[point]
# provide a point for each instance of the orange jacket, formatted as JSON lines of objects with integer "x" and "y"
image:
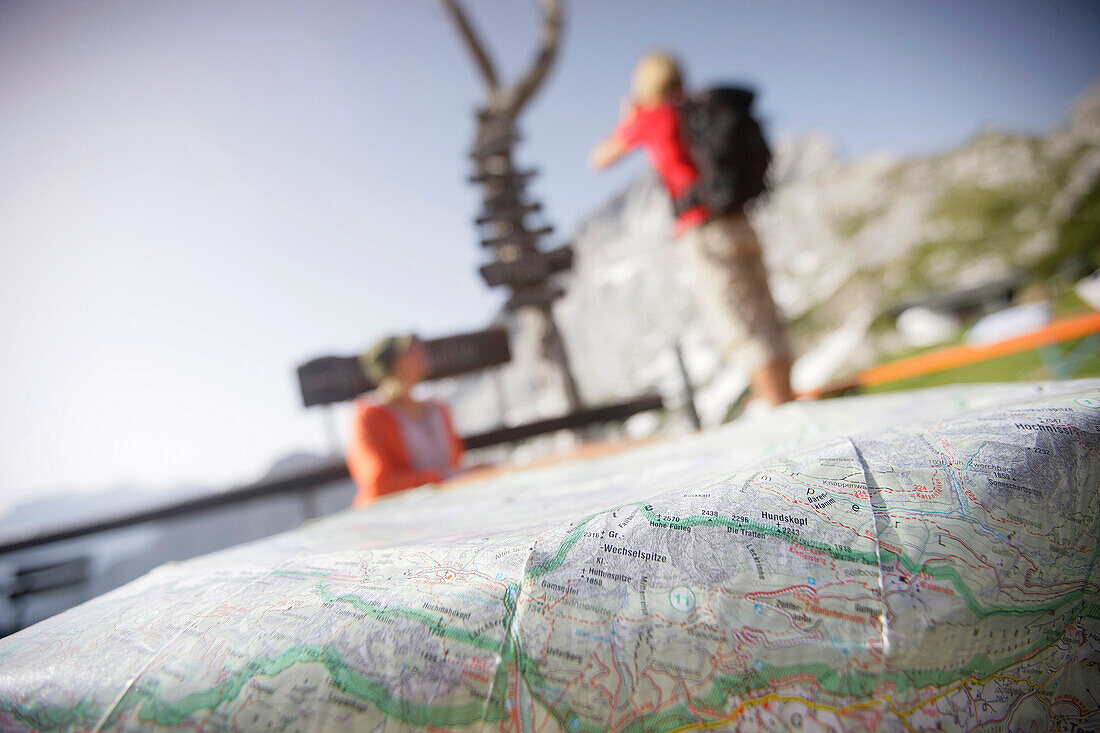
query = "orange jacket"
{"x": 378, "y": 459}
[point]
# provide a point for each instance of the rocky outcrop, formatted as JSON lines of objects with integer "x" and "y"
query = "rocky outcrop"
{"x": 844, "y": 240}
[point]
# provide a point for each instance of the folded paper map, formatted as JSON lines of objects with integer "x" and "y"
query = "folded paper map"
{"x": 895, "y": 562}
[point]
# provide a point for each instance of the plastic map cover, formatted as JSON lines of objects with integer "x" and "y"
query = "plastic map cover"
{"x": 922, "y": 560}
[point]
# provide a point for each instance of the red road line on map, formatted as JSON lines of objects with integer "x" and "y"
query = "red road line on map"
{"x": 899, "y": 512}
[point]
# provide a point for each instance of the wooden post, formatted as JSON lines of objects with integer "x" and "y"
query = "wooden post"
{"x": 689, "y": 391}
{"x": 331, "y": 431}
{"x": 504, "y": 189}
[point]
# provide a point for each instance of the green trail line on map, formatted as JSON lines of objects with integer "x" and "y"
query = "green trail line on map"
{"x": 843, "y": 684}
{"x": 858, "y": 684}
{"x": 374, "y": 691}
{"x": 433, "y": 621}
{"x": 354, "y": 683}
{"x": 155, "y": 708}
{"x": 847, "y": 554}
{"x": 41, "y": 717}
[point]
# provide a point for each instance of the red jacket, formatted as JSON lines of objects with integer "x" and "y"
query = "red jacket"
{"x": 657, "y": 130}
{"x": 378, "y": 459}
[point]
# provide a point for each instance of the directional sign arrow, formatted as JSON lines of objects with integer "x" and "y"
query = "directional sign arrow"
{"x": 528, "y": 270}
{"x": 539, "y": 296}
{"x": 507, "y": 178}
{"x": 505, "y": 213}
{"x": 520, "y": 237}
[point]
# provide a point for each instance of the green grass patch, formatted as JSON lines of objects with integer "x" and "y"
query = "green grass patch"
{"x": 1066, "y": 303}
{"x": 1078, "y": 239}
{"x": 993, "y": 210}
{"x": 986, "y": 222}
{"x": 1072, "y": 359}
{"x": 851, "y": 225}
{"x": 981, "y": 223}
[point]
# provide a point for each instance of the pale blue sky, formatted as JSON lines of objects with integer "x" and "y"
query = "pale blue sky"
{"x": 196, "y": 196}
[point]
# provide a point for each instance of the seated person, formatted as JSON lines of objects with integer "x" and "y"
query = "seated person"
{"x": 398, "y": 442}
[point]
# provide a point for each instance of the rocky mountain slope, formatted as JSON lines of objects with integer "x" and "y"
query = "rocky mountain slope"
{"x": 845, "y": 241}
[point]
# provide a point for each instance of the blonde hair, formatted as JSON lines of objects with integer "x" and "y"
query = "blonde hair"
{"x": 656, "y": 77}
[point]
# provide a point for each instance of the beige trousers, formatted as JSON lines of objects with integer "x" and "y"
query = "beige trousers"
{"x": 732, "y": 292}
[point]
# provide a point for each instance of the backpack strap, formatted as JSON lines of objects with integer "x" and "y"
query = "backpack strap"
{"x": 689, "y": 200}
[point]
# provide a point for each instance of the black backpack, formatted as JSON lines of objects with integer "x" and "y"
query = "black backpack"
{"x": 728, "y": 147}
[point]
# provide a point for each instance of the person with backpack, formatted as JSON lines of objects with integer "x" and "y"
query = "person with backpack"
{"x": 712, "y": 157}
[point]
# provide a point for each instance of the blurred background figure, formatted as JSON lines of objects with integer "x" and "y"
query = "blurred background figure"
{"x": 730, "y": 281}
{"x": 398, "y": 442}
